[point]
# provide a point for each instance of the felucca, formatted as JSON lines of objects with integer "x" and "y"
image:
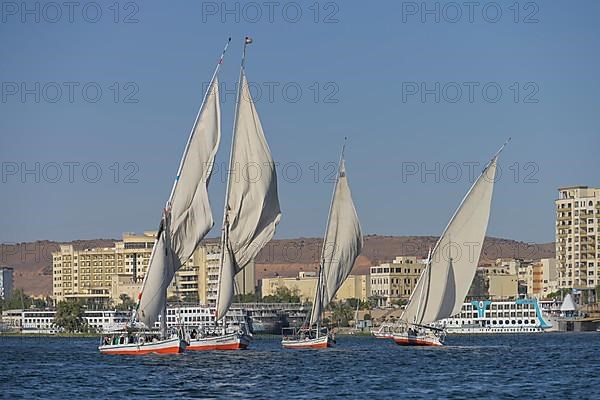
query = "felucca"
{"x": 341, "y": 246}
{"x": 251, "y": 211}
{"x": 186, "y": 219}
{"x": 450, "y": 267}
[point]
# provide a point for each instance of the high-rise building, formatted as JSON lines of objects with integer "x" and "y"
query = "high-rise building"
{"x": 88, "y": 274}
{"x": 6, "y": 282}
{"x": 208, "y": 259}
{"x": 577, "y": 239}
{"x": 396, "y": 280}
{"x": 102, "y": 275}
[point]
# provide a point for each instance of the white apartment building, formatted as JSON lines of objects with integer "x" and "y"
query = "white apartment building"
{"x": 577, "y": 240}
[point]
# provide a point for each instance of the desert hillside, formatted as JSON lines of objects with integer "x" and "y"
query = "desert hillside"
{"x": 284, "y": 257}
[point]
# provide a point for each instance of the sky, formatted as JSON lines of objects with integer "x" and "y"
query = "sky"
{"x": 98, "y": 99}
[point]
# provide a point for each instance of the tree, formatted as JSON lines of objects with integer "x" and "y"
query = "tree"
{"x": 246, "y": 298}
{"x": 126, "y": 302}
{"x": 399, "y": 302}
{"x": 283, "y": 294}
{"x": 342, "y": 312}
{"x": 353, "y": 302}
{"x": 20, "y": 300}
{"x": 69, "y": 316}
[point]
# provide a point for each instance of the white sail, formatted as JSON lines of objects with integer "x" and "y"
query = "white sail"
{"x": 188, "y": 216}
{"x": 343, "y": 243}
{"x": 191, "y": 215}
{"x": 252, "y": 202}
{"x": 447, "y": 277}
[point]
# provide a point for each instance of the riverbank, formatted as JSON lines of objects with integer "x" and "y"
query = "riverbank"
{"x": 63, "y": 335}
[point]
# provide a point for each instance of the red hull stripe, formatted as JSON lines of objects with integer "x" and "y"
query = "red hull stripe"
{"x": 308, "y": 346}
{"x": 166, "y": 350}
{"x": 229, "y": 346}
{"x": 414, "y": 342}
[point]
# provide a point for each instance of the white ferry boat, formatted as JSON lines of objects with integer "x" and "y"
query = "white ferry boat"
{"x": 489, "y": 317}
{"x": 103, "y": 321}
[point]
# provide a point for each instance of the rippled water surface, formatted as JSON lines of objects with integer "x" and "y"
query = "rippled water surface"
{"x": 558, "y": 365}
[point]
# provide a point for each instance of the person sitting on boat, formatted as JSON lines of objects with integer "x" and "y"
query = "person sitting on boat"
{"x": 193, "y": 334}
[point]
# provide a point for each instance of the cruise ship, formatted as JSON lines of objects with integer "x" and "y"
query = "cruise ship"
{"x": 42, "y": 321}
{"x": 489, "y": 317}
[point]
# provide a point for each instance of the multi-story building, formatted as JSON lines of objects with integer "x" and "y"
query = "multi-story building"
{"x": 577, "y": 239}
{"x": 208, "y": 260}
{"x": 549, "y": 276}
{"x": 503, "y": 286}
{"x": 102, "y": 275}
{"x": 6, "y": 282}
{"x": 396, "y": 280}
{"x": 542, "y": 278}
{"x": 305, "y": 284}
{"x": 515, "y": 266}
{"x": 88, "y": 274}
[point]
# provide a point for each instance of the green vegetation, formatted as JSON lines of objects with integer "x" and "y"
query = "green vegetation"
{"x": 399, "y": 302}
{"x": 561, "y": 293}
{"x": 283, "y": 295}
{"x": 246, "y": 298}
{"x": 127, "y": 303}
{"x": 20, "y": 300}
{"x": 69, "y": 316}
{"x": 362, "y": 305}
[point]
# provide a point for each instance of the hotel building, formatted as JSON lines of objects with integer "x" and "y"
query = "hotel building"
{"x": 101, "y": 275}
{"x": 577, "y": 240}
{"x": 396, "y": 280}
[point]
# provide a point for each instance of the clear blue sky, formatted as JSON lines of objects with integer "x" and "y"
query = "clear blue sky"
{"x": 373, "y": 62}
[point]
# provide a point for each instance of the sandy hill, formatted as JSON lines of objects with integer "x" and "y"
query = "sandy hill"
{"x": 284, "y": 257}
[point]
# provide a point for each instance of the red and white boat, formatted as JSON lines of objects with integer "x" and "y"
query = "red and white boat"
{"x": 341, "y": 246}
{"x": 385, "y": 331}
{"x": 141, "y": 344}
{"x": 307, "y": 339}
{"x": 228, "y": 341}
{"x": 418, "y": 339}
{"x": 186, "y": 220}
{"x": 450, "y": 267}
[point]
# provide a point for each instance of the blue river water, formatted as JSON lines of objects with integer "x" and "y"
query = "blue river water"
{"x": 551, "y": 366}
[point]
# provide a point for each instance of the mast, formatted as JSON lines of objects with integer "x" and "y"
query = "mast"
{"x": 225, "y": 225}
{"x": 422, "y": 287}
{"x": 168, "y": 204}
{"x": 321, "y": 281}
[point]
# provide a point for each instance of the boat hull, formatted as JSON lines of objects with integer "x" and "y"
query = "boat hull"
{"x": 383, "y": 335}
{"x": 321, "y": 342}
{"x": 167, "y": 346}
{"x": 404, "y": 339}
{"x": 231, "y": 341}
